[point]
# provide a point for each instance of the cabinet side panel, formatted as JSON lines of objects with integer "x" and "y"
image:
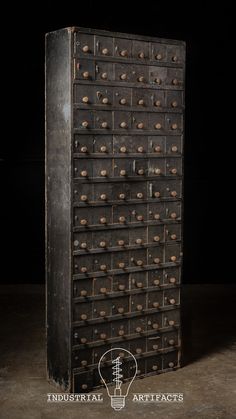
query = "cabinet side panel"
{"x": 58, "y": 207}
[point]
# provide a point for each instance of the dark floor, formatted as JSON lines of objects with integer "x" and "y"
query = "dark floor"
{"x": 208, "y": 379}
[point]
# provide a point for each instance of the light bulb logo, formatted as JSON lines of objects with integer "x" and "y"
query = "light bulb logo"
{"x": 119, "y": 371}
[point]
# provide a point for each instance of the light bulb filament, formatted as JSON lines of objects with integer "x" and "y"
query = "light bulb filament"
{"x": 116, "y": 372}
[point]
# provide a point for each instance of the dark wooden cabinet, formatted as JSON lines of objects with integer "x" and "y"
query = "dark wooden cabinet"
{"x": 114, "y": 168}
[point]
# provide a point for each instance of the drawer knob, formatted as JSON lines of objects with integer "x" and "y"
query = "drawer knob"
{"x": 102, "y": 244}
{"x": 155, "y": 367}
{"x": 171, "y": 342}
{"x": 171, "y": 364}
{"x": 174, "y": 58}
{"x": 123, "y": 124}
{"x": 121, "y": 287}
{"x": 173, "y": 215}
{"x": 173, "y": 237}
{"x": 138, "y": 329}
{"x": 103, "y": 197}
{"x": 103, "y": 220}
{"x": 139, "y": 217}
{"x": 174, "y": 149}
{"x": 157, "y": 148}
{"x": 84, "y": 149}
{"x": 172, "y": 280}
{"x": 123, "y": 76}
{"x": 124, "y": 53}
{"x": 105, "y": 100}
{"x": 140, "y": 102}
{"x": 139, "y": 195}
{"x": 83, "y": 222}
{"x": 121, "y": 332}
{"x": 105, "y": 51}
{"x": 138, "y": 262}
{"x": 122, "y": 101}
{"x": 121, "y": 196}
{"x": 121, "y": 310}
{"x": 155, "y": 326}
{"x": 83, "y": 293}
{"x": 174, "y": 126}
{"x": 102, "y": 313}
{"x": 83, "y": 340}
{"x": 121, "y": 242}
{"x": 175, "y": 82}
{"x": 123, "y": 149}
{"x": 158, "y": 125}
{"x": 103, "y": 336}
{"x": 84, "y": 316}
{"x": 83, "y": 198}
{"x": 139, "y": 307}
{"x": 157, "y": 103}
{"x": 84, "y": 173}
{"x": 121, "y": 265}
{"x": 104, "y": 124}
{"x": 158, "y": 56}
{"x": 83, "y": 245}
{"x": 138, "y": 350}
{"x": 122, "y": 219}
{"x": 138, "y": 241}
{"x": 173, "y": 258}
{"x": 85, "y": 48}
{"x": 104, "y": 76}
{"x": 103, "y": 149}
{"x": 85, "y": 99}
{"x": 157, "y": 171}
{"x": 141, "y": 79}
{"x": 103, "y": 173}
{"x": 158, "y": 81}
{"x": 173, "y": 171}
{"x": 156, "y": 260}
{"x": 103, "y": 267}
{"x": 85, "y": 74}
{"x": 140, "y": 149}
{"x": 156, "y": 282}
{"x": 84, "y": 363}
{"x": 141, "y": 54}
{"x": 83, "y": 269}
{"x": 157, "y": 194}
{"x": 156, "y": 238}
{"x": 173, "y": 193}
{"x": 174, "y": 104}
{"x": 140, "y": 172}
{"x": 84, "y": 386}
{"x": 122, "y": 172}
{"x": 85, "y": 124}
{"x": 156, "y": 216}
{"x": 156, "y": 304}
{"x": 171, "y": 322}
{"x": 140, "y": 125}
{"x": 139, "y": 285}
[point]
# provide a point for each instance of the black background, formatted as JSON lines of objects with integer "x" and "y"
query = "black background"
{"x": 210, "y": 126}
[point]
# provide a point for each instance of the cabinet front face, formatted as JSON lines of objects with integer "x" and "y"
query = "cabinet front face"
{"x": 126, "y": 201}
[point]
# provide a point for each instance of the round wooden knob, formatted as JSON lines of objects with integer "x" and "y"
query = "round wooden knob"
{"x": 173, "y": 171}
{"x": 155, "y": 367}
{"x": 174, "y": 148}
{"x": 104, "y": 76}
{"x": 156, "y": 216}
{"x": 122, "y": 101}
{"x": 85, "y": 124}
{"x": 105, "y": 51}
{"x": 139, "y": 284}
{"x": 175, "y": 82}
{"x": 124, "y": 53}
{"x": 155, "y": 325}
{"x": 157, "y": 171}
{"x": 138, "y": 241}
{"x": 140, "y": 171}
{"x": 172, "y": 280}
{"x": 83, "y": 340}
{"x": 83, "y": 269}
{"x": 83, "y": 245}
{"x": 103, "y": 267}
{"x": 138, "y": 262}
{"x": 103, "y": 173}
{"x": 103, "y": 149}
{"x": 139, "y": 195}
{"x": 85, "y": 48}
{"x": 138, "y": 350}
{"x": 173, "y": 193}
{"x": 173, "y": 215}
{"x": 141, "y": 79}
{"x": 121, "y": 287}
{"x": 84, "y": 386}
{"x": 157, "y": 148}
{"x": 141, "y": 54}
{"x": 157, "y": 103}
{"x": 103, "y": 197}
{"x": 121, "y": 196}
{"x": 173, "y": 258}
{"x": 123, "y": 76}
{"x": 123, "y": 149}
{"x": 84, "y": 149}
{"x": 171, "y": 342}
{"x": 174, "y": 104}
{"x": 140, "y": 125}
{"x": 171, "y": 322}
{"x": 85, "y": 99}
{"x": 158, "y": 81}
{"x": 156, "y": 238}
{"x": 139, "y": 217}
{"x": 158, "y": 126}
{"x": 171, "y": 364}
{"x": 174, "y": 126}
{"x": 103, "y": 220}
{"x": 156, "y": 282}
{"x": 120, "y": 242}
{"x": 122, "y": 172}
{"x": 140, "y": 102}
{"x": 83, "y": 316}
{"x": 139, "y": 307}
{"x": 121, "y": 310}
{"x": 157, "y": 194}
{"x": 84, "y": 173}
{"x": 121, "y": 332}
{"x": 76, "y": 243}
{"x": 121, "y": 219}
{"x": 102, "y": 313}
{"x": 173, "y": 237}
{"x": 84, "y": 363}
{"x": 103, "y": 336}
{"x": 174, "y": 58}
{"x": 83, "y": 222}
{"x": 121, "y": 265}
{"x": 156, "y": 304}
{"x": 138, "y": 329}
{"x": 123, "y": 124}
{"x": 83, "y": 293}
{"x": 105, "y": 100}
{"x": 156, "y": 260}
{"x": 102, "y": 244}
{"x": 158, "y": 56}
{"x": 104, "y": 124}
{"x": 155, "y": 347}
{"x": 85, "y": 74}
